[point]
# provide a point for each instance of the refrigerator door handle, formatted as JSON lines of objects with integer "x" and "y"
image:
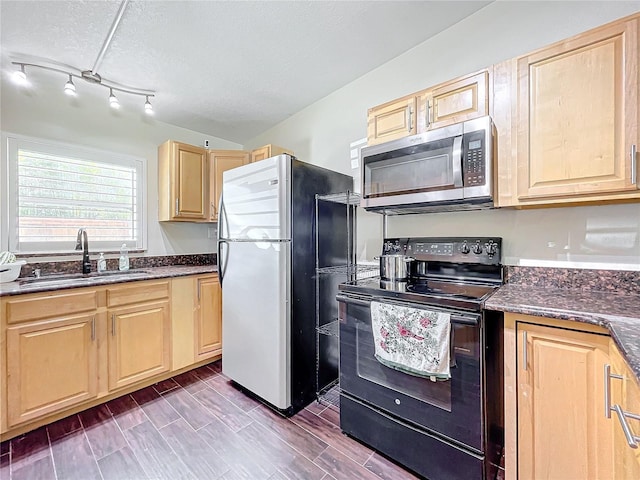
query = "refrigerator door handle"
{"x": 222, "y": 267}
{"x": 222, "y": 218}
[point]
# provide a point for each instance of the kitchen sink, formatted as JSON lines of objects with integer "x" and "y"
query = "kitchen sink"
{"x": 80, "y": 278}
{"x": 48, "y": 282}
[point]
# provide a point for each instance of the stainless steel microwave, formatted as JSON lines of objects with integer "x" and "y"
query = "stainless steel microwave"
{"x": 450, "y": 168}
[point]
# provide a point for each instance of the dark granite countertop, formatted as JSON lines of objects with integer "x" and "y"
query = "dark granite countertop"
{"x": 619, "y": 312}
{"x": 59, "y": 282}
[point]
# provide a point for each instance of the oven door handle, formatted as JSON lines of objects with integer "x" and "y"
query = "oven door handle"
{"x": 362, "y": 301}
{"x": 366, "y": 302}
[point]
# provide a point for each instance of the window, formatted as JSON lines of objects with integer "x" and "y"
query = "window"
{"x": 55, "y": 189}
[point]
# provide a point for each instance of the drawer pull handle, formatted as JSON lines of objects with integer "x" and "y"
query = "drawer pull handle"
{"x": 632, "y": 439}
{"x": 113, "y": 324}
{"x": 524, "y": 350}
{"x": 607, "y": 389}
{"x": 427, "y": 119}
{"x": 93, "y": 329}
{"x": 634, "y": 165}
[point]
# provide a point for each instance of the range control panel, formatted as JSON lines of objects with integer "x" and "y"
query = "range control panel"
{"x": 485, "y": 250}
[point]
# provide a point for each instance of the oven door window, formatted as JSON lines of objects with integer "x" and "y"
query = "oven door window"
{"x": 414, "y": 169}
{"x": 437, "y": 393}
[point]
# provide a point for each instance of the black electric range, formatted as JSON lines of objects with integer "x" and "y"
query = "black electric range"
{"x": 438, "y": 429}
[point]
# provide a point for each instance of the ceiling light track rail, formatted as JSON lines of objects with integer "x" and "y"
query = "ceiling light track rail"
{"x": 107, "y": 41}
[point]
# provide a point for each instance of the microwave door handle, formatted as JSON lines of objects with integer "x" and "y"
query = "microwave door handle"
{"x": 457, "y": 161}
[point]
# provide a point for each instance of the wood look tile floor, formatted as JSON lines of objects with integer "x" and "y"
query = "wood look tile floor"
{"x": 194, "y": 426}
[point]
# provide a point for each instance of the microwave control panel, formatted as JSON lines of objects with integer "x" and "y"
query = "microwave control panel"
{"x": 473, "y": 169}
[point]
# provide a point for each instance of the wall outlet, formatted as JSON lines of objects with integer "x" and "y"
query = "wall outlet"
{"x": 206, "y": 144}
{"x": 211, "y": 232}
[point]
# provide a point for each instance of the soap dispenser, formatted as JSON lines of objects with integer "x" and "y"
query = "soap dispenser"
{"x": 102, "y": 263}
{"x": 124, "y": 257}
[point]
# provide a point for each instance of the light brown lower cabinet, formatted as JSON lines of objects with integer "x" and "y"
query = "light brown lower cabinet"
{"x": 208, "y": 318}
{"x": 68, "y": 350}
{"x": 625, "y": 402}
{"x": 139, "y": 343}
{"x": 196, "y": 317}
{"x": 555, "y": 425}
{"x": 51, "y": 365}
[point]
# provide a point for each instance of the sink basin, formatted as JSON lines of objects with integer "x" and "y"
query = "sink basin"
{"x": 116, "y": 273}
{"x": 48, "y": 282}
{"x": 81, "y": 278}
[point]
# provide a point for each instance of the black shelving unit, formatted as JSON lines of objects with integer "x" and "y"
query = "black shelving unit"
{"x": 331, "y": 270}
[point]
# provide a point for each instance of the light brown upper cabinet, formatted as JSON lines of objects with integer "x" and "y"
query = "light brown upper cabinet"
{"x": 461, "y": 99}
{"x": 456, "y": 101}
{"x": 392, "y": 120}
{"x": 567, "y": 119}
{"x": 182, "y": 183}
{"x": 268, "y": 151}
{"x": 221, "y": 161}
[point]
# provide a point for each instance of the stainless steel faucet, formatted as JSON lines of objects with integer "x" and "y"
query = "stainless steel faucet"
{"x": 82, "y": 243}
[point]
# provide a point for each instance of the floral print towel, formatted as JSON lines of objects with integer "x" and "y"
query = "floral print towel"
{"x": 412, "y": 340}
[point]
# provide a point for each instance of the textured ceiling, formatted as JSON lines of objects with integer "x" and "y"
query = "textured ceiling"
{"x": 231, "y": 69}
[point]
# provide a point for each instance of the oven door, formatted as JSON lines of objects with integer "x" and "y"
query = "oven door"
{"x": 452, "y": 408}
{"x": 424, "y": 168}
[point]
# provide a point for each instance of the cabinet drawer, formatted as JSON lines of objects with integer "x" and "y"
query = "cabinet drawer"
{"x": 137, "y": 292}
{"x": 35, "y": 307}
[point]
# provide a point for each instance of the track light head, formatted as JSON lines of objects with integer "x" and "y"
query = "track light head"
{"x": 70, "y": 88}
{"x": 20, "y": 76}
{"x": 113, "y": 100}
{"x": 148, "y": 108}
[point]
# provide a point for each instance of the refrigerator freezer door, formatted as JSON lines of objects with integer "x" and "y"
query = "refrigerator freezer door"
{"x": 256, "y": 319}
{"x": 256, "y": 201}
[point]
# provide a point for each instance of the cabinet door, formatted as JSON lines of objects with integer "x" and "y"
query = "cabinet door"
{"x": 51, "y": 365}
{"x": 220, "y": 161}
{"x": 190, "y": 182}
{"x": 261, "y": 153}
{"x": 139, "y": 343}
{"x": 578, "y": 114}
{"x": 208, "y": 327}
{"x": 562, "y": 430}
{"x": 392, "y": 120}
{"x": 457, "y": 101}
{"x": 625, "y": 392}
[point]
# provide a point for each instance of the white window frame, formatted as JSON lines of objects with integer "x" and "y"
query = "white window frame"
{"x": 16, "y": 142}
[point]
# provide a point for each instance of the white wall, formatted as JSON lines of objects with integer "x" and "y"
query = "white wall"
{"x": 588, "y": 237}
{"x": 48, "y": 114}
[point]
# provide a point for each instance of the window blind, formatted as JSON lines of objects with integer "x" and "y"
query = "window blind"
{"x": 56, "y": 194}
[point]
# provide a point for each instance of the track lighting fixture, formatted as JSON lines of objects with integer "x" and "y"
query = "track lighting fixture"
{"x": 69, "y": 87}
{"x": 90, "y": 76}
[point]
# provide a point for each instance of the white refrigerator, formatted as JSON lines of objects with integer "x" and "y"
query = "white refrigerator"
{"x": 266, "y": 264}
